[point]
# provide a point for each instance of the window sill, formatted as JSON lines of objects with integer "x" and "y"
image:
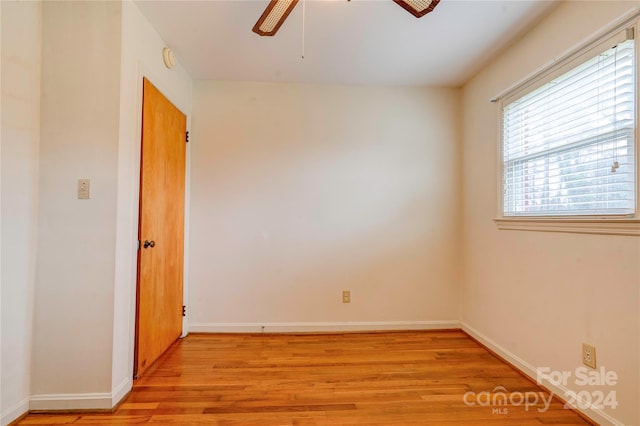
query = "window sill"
{"x": 603, "y": 226}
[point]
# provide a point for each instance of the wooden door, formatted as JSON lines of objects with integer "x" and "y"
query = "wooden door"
{"x": 161, "y": 228}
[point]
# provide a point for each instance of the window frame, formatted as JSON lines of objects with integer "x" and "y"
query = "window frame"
{"x": 615, "y": 224}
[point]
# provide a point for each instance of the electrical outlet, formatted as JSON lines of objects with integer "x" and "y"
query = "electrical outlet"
{"x": 346, "y": 296}
{"x": 589, "y": 355}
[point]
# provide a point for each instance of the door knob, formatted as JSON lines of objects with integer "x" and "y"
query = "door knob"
{"x": 148, "y": 244}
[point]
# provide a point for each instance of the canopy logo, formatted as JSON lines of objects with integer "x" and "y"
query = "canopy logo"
{"x": 499, "y": 398}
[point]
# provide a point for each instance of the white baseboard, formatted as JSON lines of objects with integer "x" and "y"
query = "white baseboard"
{"x": 71, "y": 401}
{"x": 121, "y": 391}
{"x": 597, "y": 415}
{"x": 318, "y": 327}
{"x": 15, "y": 412}
{"x": 81, "y": 401}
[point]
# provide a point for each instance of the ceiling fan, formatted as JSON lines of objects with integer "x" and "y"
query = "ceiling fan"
{"x": 277, "y": 12}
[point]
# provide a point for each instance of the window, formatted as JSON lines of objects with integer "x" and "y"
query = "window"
{"x": 569, "y": 146}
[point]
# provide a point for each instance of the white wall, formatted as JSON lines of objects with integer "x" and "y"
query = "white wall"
{"x": 535, "y": 297}
{"x": 73, "y": 322}
{"x": 90, "y": 128}
{"x": 301, "y": 191}
{"x": 141, "y": 56}
{"x": 20, "y": 137}
{"x": 85, "y": 292}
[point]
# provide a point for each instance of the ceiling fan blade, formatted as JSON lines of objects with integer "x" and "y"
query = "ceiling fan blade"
{"x": 418, "y": 8}
{"x": 274, "y": 16}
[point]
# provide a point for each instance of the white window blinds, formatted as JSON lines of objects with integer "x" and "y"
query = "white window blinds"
{"x": 569, "y": 145}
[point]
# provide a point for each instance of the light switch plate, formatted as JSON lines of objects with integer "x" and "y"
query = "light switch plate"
{"x": 83, "y": 189}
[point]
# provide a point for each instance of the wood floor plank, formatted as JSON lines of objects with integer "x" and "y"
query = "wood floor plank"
{"x": 398, "y": 378}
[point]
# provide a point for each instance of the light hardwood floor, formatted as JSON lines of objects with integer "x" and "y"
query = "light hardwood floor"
{"x": 400, "y": 378}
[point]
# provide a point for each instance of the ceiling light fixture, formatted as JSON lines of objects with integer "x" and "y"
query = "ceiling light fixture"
{"x": 273, "y": 17}
{"x": 418, "y": 8}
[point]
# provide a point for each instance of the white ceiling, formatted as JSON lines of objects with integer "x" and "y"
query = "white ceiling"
{"x": 357, "y": 42}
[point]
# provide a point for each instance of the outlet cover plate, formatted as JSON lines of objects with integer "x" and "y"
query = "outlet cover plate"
{"x": 589, "y": 355}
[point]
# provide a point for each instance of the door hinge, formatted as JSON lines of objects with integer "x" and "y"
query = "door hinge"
{"x": 184, "y": 311}
{"x": 187, "y": 137}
